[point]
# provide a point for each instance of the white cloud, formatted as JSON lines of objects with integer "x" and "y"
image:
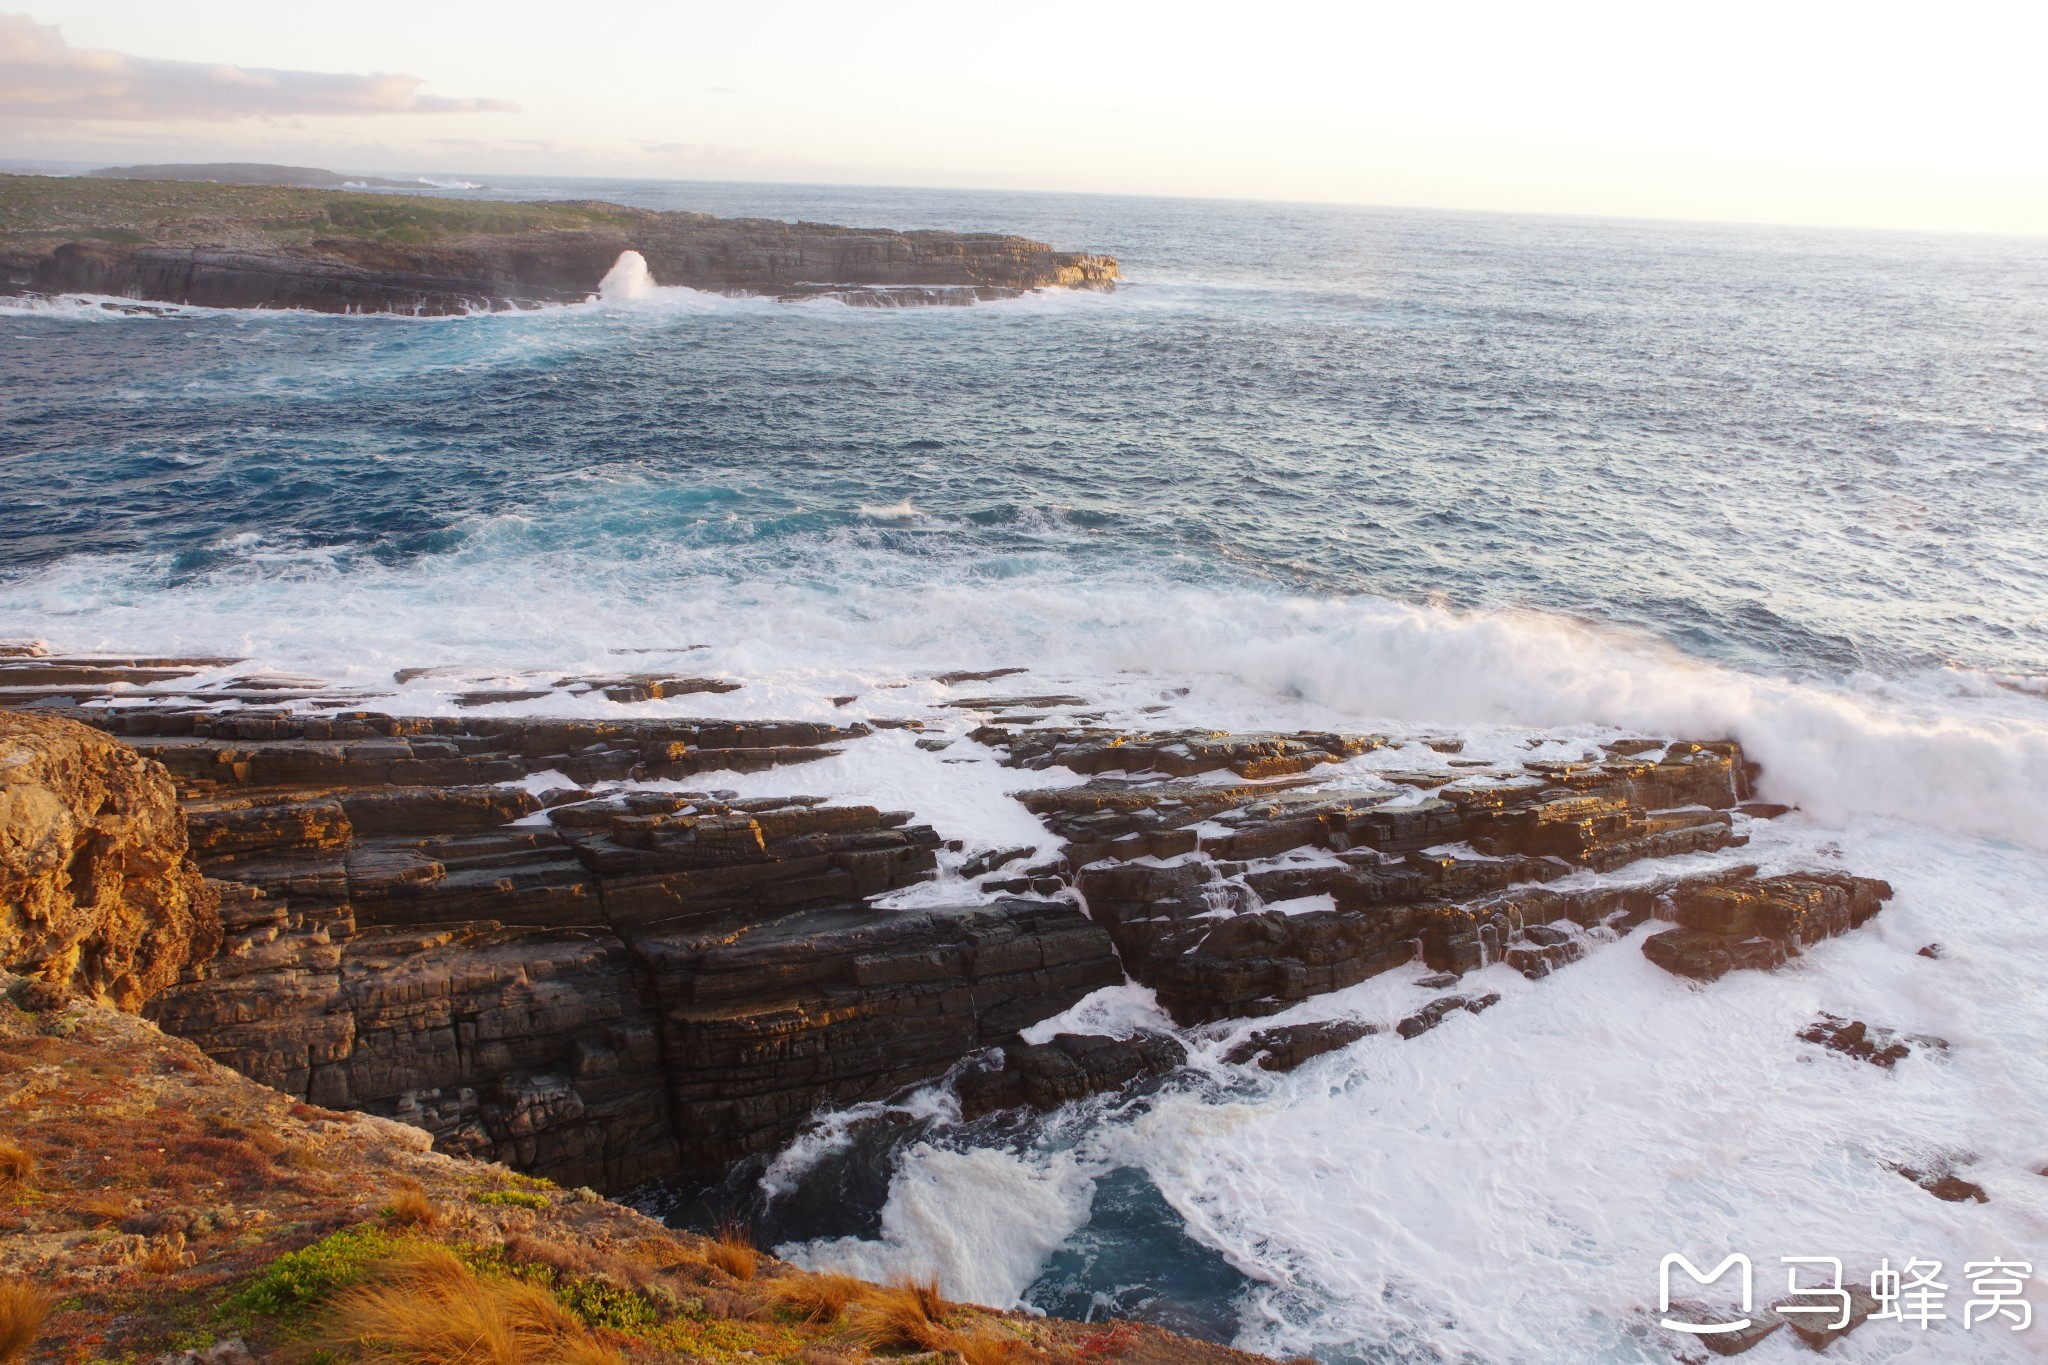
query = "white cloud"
{"x": 42, "y": 76}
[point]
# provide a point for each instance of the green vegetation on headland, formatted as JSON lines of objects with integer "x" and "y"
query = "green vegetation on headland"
{"x": 41, "y": 210}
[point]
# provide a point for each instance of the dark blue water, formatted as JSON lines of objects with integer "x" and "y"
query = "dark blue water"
{"x": 1774, "y": 448}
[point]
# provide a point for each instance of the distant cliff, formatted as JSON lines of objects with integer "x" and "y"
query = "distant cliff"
{"x": 244, "y": 246}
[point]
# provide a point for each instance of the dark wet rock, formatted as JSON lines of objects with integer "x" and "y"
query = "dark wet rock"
{"x": 1440, "y": 1009}
{"x": 994, "y": 859}
{"x": 1039, "y": 702}
{"x": 1176, "y": 753}
{"x": 985, "y": 675}
{"x": 767, "y": 1022}
{"x": 1597, "y": 815}
{"x": 1940, "y": 1180}
{"x": 1287, "y": 1047}
{"x": 1437, "y": 981}
{"x": 1878, "y": 1046}
{"x": 1202, "y": 940}
{"x": 1072, "y": 1066}
{"x": 493, "y": 696}
{"x": 632, "y": 687}
{"x": 1760, "y": 923}
{"x": 1764, "y": 810}
{"x": 1818, "y": 1329}
{"x": 1933, "y": 950}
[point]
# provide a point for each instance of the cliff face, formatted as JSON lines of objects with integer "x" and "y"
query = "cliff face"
{"x": 645, "y": 984}
{"x": 97, "y": 893}
{"x": 242, "y": 247}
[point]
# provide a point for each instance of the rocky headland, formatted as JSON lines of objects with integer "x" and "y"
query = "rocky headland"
{"x": 564, "y": 947}
{"x": 336, "y": 251}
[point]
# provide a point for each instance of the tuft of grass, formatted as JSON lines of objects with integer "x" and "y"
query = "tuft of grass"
{"x": 298, "y": 1279}
{"x": 986, "y": 1346}
{"x": 732, "y": 1250}
{"x": 425, "y": 1307}
{"x": 410, "y": 1207}
{"x": 16, "y": 1165}
{"x": 22, "y": 1310}
{"x": 167, "y": 1255}
{"x": 908, "y": 1315}
{"x": 819, "y": 1298}
{"x": 518, "y": 1199}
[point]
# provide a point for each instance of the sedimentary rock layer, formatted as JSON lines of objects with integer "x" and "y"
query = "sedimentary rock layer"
{"x": 557, "y": 943}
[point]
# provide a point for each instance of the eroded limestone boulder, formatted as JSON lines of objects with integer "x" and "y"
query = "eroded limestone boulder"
{"x": 97, "y": 891}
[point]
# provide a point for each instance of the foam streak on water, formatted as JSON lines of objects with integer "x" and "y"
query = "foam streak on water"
{"x": 1315, "y": 468}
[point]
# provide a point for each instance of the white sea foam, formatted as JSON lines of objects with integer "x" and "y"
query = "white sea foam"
{"x": 982, "y": 1221}
{"x": 1950, "y": 751}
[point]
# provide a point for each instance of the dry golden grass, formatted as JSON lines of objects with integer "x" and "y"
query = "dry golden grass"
{"x": 906, "y": 1316}
{"x": 427, "y": 1308}
{"x": 16, "y": 1165}
{"x": 819, "y": 1298}
{"x": 987, "y": 1346}
{"x": 22, "y": 1310}
{"x": 410, "y": 1207}
{"x": 732, "y": 1250}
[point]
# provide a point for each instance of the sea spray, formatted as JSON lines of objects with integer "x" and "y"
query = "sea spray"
{"x": 628, "y": 279}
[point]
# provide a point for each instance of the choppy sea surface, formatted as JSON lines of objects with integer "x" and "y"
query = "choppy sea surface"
{"x": 1312, "y": 466}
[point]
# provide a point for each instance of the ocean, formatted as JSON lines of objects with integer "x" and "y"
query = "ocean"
{"x": 1312, "y": 466}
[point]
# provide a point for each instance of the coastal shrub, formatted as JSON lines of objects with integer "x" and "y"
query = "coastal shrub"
{"x": 423, "y": 1306}
{"x": 600, "y": 1303}
{"x": 16, "y": 1165}
{"x": 523, "y": 1251}
{"x": 300, "y": 1278}
{"x": 518, "y": 1199}
{"x": 22, "y": 1310}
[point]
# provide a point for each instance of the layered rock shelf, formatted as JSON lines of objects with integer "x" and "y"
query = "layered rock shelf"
{"x": 247, "y": 246}
{"x": 560, "y": 944}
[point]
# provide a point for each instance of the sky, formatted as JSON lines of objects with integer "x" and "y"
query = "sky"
{"x": 1923, "y": 116}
